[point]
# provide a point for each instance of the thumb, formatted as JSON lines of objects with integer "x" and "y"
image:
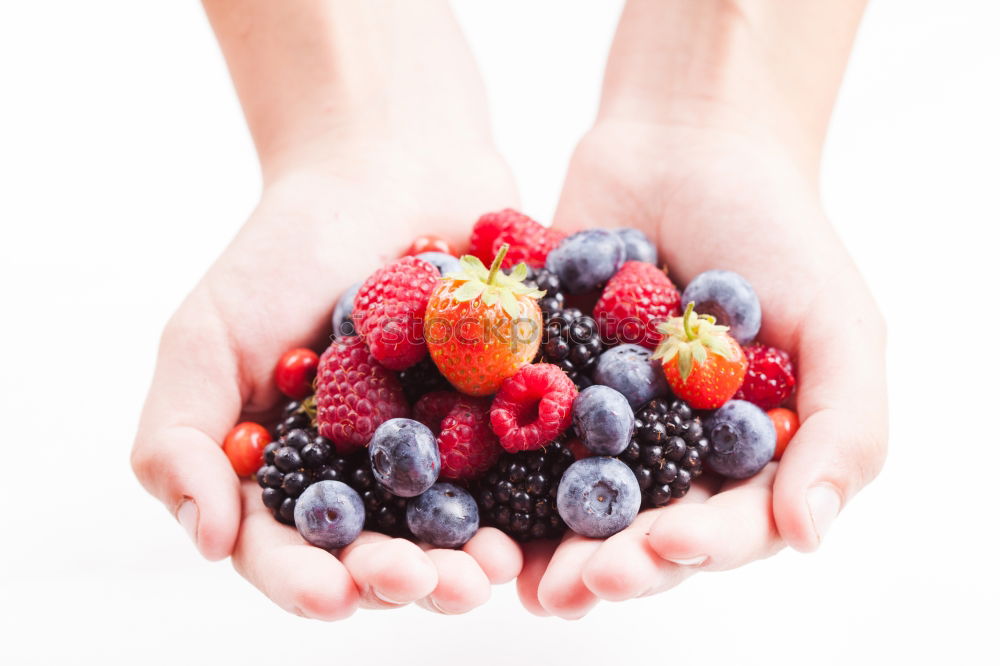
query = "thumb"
{"x": 177, "y": 455}
{"x": 842, "y": 442}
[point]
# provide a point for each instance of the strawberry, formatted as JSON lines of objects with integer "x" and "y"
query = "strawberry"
{"x": 529, "y": 241}
{"x": 635, "y": 301}
{"x": 389, "y": 311}
{"x": 482, "y": 325}
{"x": 462, "y": 427}
{"x": 770, "y": 376}
{"x": 703, "y": 364}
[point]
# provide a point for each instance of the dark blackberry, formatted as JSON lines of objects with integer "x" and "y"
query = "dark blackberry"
{"x": 571, "y": 341}
{"x": 518, "y": 495}
{"x": 294, "y": 415}
{"x": 666, "y": 451}
{"x": 553, "y": 300}
{"x": 384, "y": 512}
{"x": 299, "y": 458}
{"x": 421, "y": 379}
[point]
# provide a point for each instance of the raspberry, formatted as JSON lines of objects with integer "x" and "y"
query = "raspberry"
{"x": 462, "y": 425}
{"x": 389, "y": 311}
{"x": 770, "y": 377}
{"x": 529, "y": 241}
{"x": 638, "y": 298}
{"x": 532, "y": 407}
{"x": 354, "y": 394}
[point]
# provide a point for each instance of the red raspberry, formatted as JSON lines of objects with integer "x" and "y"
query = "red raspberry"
{"x": 354, "y": 394}
{"x": 638, "y": 298}
{"x": 529, "y": 241}
{"x": 770, "y": 376}
{"x": 532, "y": 407}
{"x": 462, "y": 425}
{"x": 389, "y": 311}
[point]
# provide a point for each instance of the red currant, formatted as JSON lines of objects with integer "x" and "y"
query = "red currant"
{"x": 786, "y": 422}
{"x": 244, "y": 446}
{"x": 295, "y": 372}
{"x": 429, "y": 243}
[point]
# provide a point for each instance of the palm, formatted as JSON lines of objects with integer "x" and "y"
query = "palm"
{"x": 723, "y": 201}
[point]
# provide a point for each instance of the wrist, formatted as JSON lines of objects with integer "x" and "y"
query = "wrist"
{"x": 315, "y": 74}
{"x": 739, "y": 66}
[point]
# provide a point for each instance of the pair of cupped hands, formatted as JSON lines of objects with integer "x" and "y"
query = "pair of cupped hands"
{"x": 708, "y": 197}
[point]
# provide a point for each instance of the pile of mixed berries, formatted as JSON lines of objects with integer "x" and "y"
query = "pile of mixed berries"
{"x": 485, "y": 391}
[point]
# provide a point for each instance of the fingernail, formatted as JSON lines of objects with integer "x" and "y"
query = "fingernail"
{"x": 695, "y": 561}
{"x": 187, "y": 516}
{"x": 384, "y": 599}
{"x": 824, "y": 505}
{"x": 437, "y": 606}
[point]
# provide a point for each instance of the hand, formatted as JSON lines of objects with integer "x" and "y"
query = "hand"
{"x": 735, "y": 199}
{"x": 318, "y": 228}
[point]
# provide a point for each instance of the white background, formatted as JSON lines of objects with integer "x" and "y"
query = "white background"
{"x": 125, "y": 168}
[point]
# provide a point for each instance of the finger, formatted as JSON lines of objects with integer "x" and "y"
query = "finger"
{"x": 537, "y": 555}
{"x": 389, "y": 572}
{"x": 497, "y": 555}
{"x": 626, "y": 567}
{"x": 300, "y": 578}
{"x": 177, "y": 455}
{"x": 841, "y": 444}
{"x": 726, "y": 531}
{"x": 561, "y": 591}
{"x": 462, "y": 584}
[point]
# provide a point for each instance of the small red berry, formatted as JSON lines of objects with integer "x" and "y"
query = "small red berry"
{"x": 295, "y": 372}
{"x": 244, "y": 446}
{"x": 786, "y": 423}
{"x": 462, "y": 427}
{"x": 770, "y": 376}
{"x": 532, "y": 407}
{"x": 429, "y": 243}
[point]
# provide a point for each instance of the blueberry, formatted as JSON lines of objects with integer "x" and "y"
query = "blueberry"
{"x": 444, "y": 262}
{"x": 329, "y": 514}
{"x": 445, "y": 516}
{"x": 598, "y": 497}
{"x": 742, "y": 439}
{"x": 630, "y": 370}
{"x": 404, "y": 457}
{"x": 638, "y": 247}
{"x": 342, "y": 324}
{"x": 587, "y": 259}
{"x": 603, "y": 420}
{"x": 729, "y": 298}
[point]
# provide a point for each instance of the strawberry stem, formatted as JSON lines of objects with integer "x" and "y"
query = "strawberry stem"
{"x": 496, "y": 262}
{"x": 688, "y": 311}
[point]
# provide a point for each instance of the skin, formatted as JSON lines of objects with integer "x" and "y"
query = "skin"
{"x": 370, "y": 134}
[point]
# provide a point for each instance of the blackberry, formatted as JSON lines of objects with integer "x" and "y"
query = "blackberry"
{"x": 518, "y": 495}
{"x": 384, "y": 512}
{"x": 294, "y": 415}
{"x": 666, "y": 451}
{"x": 292, "y": 463}
{"x": 423, "y": 378}
{"x": 571, "y": 341}
{"x": 547, "y": 281}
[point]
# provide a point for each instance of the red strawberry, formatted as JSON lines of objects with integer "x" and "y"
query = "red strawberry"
{"x": 354, "y": 394}
{"x": 770, "y": 376}
{"x": 462, "y": 425}
{"x": 533, "y": 407}
{"x": 529, "y": 241}
{"x": 389, "y": 311}
{"x": 703, "y": 364}
{"x": 483, "y": 324}
{"x": 635, "y": 301}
